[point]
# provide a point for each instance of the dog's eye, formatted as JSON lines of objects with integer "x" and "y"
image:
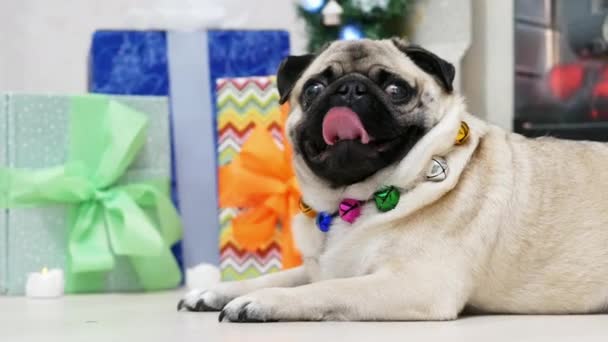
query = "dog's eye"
{"x": 397, "y": 92}
{"x": 313, "y": 90}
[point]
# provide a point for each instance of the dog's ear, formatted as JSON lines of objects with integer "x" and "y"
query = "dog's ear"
{"x": 289, "y": 72}
{"x": 429, "y": 62}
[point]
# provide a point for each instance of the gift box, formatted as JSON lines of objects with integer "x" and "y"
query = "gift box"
{"x": 84, "y": 187}
{"x": 186, "y": 66}
{"x": 257, "y": 186}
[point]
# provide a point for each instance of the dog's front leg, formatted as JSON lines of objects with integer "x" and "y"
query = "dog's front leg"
{"x": 214, "y": 299}
{"x": 375, "y": 297}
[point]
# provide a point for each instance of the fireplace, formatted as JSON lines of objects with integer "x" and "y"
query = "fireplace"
{"x": 561, "y": 68}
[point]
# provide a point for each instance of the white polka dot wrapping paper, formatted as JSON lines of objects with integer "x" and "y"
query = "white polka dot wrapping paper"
{"x": 34, "y": 135}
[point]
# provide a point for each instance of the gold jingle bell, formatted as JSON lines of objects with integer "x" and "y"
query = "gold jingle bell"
{"x": 307, "y": 210}
{"x": 463, "y": 133}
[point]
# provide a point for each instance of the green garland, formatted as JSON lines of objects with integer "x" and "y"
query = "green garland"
{"x": 375, "y": 24}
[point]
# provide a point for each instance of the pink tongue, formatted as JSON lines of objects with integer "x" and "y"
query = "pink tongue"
{"x": 341, "y": 123}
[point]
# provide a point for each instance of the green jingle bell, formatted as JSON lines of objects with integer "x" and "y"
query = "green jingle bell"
{"x": 387, "y": 198}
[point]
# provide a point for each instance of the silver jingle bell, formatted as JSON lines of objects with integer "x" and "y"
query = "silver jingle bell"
{"x": 438, "y": 170}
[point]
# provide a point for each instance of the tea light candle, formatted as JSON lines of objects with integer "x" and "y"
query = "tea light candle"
{"x": 45, "y": 284}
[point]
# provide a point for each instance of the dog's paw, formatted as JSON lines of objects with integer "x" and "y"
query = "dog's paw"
{"x": 261, "y": 306}
{"x": 203, "y": 300}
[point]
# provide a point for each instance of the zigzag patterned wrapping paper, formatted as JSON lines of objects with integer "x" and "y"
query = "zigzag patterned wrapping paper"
{"x": 244, "y": 104}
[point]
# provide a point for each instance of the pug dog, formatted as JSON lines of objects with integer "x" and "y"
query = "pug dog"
{"x": 515, "y": 225}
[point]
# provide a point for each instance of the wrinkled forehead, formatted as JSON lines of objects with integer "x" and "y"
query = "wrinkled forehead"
{"x": 363, "y": 56}
{"x": 357, "y": 56}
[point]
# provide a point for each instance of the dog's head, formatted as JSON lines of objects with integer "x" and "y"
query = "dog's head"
{"x": 360, "y": 106}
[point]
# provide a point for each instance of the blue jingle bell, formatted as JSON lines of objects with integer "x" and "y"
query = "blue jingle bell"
{"x": 324, "y": 221}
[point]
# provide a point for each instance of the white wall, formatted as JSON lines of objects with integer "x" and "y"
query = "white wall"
{"x": 443, "y": 27}
{"x": 488, "y": 66}
{"x": 44, "y": 43}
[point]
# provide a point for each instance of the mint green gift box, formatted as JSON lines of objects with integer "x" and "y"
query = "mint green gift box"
{"x": 84, "y": 187}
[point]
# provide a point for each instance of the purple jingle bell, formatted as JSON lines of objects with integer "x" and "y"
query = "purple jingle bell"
{"x": 349, "y": 210}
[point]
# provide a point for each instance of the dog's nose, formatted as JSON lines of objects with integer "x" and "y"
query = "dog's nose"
{"x": 352, "y": 90}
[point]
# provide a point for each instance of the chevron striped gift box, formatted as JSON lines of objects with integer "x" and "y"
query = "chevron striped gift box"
{"x": 244, "y": 104}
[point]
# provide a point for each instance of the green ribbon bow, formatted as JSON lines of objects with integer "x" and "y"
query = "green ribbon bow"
{"x": 105, "y": 219}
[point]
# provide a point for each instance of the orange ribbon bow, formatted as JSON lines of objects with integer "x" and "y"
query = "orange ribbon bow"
{"x": 261, "y": 180}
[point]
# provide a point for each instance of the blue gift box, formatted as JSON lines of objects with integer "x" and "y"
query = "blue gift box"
{"x": 185, "y": 66}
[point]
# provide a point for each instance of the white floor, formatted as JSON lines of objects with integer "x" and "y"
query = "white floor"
{"x": 152, "y": 317}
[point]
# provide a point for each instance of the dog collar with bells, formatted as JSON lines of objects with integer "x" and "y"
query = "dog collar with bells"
{"x": 385, "y": 199}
